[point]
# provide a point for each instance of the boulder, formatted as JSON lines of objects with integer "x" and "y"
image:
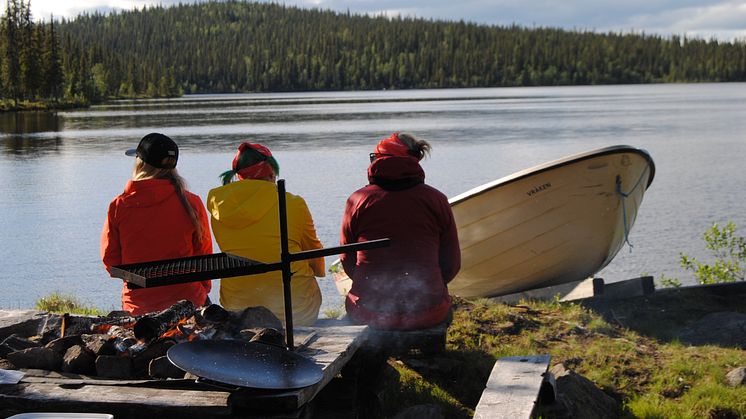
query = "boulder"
{"x": 725, "y": 328}
{"x": 736, "y": 377}
{"x": 578, "y": 397}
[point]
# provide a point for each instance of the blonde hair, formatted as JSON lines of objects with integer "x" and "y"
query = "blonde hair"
{"x": 143, "y": 171}
{"x": 417, "y": 148}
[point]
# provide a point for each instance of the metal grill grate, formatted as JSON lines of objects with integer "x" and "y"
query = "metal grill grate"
{"x": 196, "y": 268}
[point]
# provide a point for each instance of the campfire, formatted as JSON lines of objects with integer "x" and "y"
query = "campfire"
{"x": 119, "y": 346}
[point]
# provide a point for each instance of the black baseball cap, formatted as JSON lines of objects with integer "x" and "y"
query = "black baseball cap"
{"x": 155, "y": 147}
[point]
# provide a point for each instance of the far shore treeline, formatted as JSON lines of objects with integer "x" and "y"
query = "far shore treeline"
{"x": 236, "y": 46}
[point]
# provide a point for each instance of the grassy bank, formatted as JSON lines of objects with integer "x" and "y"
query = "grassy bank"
{"x": 40, "y": 105}
{"x": 649, "y": 377}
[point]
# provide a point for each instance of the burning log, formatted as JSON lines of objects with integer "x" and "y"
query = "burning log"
{"x": 151, "y": 327}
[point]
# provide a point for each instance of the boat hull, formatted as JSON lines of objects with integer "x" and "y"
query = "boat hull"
{"x": 559, "y": 222}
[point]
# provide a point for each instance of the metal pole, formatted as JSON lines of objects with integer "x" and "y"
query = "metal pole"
{"x": 285, "y": 261}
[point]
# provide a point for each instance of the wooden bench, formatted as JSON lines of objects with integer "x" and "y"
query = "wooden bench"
{"x": 513, "y": 387}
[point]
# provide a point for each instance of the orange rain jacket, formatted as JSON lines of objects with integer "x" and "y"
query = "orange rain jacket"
{"x": 245, "y": 221}
{"x": 146, "y": 223}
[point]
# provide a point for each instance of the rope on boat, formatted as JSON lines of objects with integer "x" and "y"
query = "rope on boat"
{"x": 624, "y": 207}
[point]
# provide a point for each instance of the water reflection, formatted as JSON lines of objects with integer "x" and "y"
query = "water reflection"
{"x": 29, "y": 122}
{"x": 34, "y": 147}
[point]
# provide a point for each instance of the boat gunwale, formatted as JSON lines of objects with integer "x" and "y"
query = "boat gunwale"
{"x": 575, "y": 158}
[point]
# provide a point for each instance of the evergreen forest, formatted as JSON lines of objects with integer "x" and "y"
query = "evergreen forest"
{"x": 239, "y": 46}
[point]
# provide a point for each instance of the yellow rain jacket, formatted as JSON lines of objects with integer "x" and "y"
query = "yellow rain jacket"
{"x": 245, "y": 222}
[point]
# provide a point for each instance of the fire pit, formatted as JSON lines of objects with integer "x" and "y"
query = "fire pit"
{"x": 123, "y": 383}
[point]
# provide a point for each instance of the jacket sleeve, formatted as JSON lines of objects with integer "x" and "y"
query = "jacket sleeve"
{"x": 111, "y": 250}
{"x": 449, "y": 257}
{"x": 204, "y": 245}
{"x": 347, "y": 235}
{"x": 310, "y": 241}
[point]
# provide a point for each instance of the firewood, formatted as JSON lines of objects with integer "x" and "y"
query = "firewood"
{"x": 151, "y": 327}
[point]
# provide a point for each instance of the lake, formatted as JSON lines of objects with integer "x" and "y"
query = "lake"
{"x": 58, "y": 172}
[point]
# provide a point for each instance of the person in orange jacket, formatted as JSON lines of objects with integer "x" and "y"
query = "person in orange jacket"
{"x": 156, "y": 218}
{"x": 245, "y": 221}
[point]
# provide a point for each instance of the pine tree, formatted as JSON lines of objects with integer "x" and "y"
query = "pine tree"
{"x": 11, "y": 68}
{"x": 52, "y": 65}
{"x": 30, "y": 55}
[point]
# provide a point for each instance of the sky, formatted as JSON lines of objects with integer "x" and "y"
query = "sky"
{"x": 724, "y": 20}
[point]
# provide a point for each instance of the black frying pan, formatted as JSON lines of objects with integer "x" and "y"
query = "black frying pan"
{"x": 245, "y": 364}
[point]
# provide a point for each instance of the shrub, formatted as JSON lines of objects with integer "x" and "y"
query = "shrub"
{"x": 729, "y": 251}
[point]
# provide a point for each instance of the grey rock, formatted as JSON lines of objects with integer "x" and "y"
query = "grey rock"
{"x": 736, "y": 377}
{"x": 22, "y": 322}
{"x": 114, "y": 366}
{"x": 36, "y": 358}
{"x": 258, "y": 317}
{"x": 727, "y": 329}
{"x": 161, "y": 367}
{"x": 79, "y": 360}
{"x": 580, "y": 398}
{"x": 61, "y": 345}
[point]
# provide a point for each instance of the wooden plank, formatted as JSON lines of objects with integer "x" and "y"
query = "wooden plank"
{"x": 513, "y": 387}
{"x": 120, "y": 401}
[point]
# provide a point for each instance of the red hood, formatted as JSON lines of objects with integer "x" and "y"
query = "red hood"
{"x": 396, "y": 168}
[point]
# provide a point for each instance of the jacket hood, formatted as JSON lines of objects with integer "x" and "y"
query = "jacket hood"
{"x": 148, "y": 192}
{"x": 242, "y": 203}
{"x": 395, "y": 170}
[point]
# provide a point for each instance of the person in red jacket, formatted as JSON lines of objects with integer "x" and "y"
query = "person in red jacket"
{"x": 156, "y": 218}
{"x": 403, "y": 286}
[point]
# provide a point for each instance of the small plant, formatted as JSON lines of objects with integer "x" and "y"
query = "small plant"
{"x": 58, "y": 303}
{"x": 334, "y": 313}
{"x": 729, "y": 251}
{"x": 669, "y": 282}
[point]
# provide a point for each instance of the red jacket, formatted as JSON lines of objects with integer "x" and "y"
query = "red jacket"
{"x": 402, "y": 286}
{"x": 148, "y": 222}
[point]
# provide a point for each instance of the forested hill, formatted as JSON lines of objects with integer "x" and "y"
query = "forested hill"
{"x": 244, "y": 47}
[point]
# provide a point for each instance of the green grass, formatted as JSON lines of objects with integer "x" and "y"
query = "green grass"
{"x": 650, "y": 378}
{"x": 59, "y": 303}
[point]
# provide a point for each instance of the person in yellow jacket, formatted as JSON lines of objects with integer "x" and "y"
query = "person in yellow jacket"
{"x": 245, "y": 222}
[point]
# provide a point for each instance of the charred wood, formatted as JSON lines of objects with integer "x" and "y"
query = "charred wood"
{"x": 153, "y": 326}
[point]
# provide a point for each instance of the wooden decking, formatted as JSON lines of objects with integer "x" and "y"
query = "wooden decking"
{"x": 513, "y": 387}
{"x": 329, "y": 346}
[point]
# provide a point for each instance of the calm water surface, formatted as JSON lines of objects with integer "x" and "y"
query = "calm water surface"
{"x": 58, "y": 173}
